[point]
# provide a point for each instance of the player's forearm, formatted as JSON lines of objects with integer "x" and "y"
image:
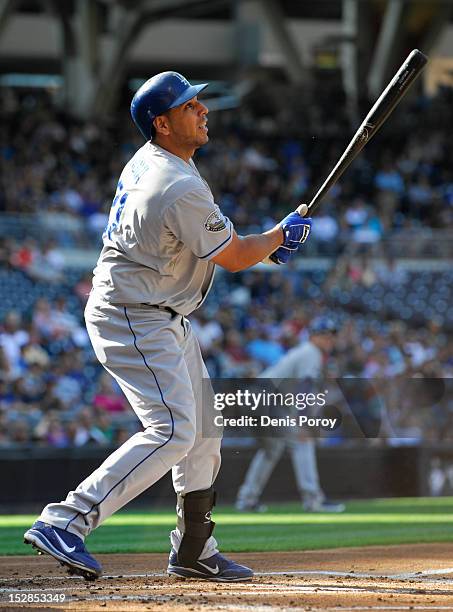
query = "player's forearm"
{"x": 254, "y": 248}
{"x": 246, "y": 251}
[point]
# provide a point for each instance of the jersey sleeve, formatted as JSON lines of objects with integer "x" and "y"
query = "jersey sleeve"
{"x": 300, "y": 362}
{"x": 287, "y": 367}
{"x": 196, "y": 220}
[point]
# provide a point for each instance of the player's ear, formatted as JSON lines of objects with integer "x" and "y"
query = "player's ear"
{"x": 161, "y": 125}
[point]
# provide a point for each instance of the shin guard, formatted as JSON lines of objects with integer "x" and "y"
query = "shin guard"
{"x": 195, "y": 524}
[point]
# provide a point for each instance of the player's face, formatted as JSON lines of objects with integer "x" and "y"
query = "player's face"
{"x": 188, "y": 124}
{"x": 327, "y": 342}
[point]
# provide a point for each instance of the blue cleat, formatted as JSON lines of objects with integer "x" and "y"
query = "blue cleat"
{"x": 65, "y": 547}
{"x": 216, "y": 568}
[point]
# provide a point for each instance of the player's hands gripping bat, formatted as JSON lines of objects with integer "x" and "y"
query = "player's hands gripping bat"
{"x": 296, "y": 230}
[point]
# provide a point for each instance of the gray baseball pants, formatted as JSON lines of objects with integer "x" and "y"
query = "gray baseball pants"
{"x": 303, "y": 455}
{"x": 156, "y": 360}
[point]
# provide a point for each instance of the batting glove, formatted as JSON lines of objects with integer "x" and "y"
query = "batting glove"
{"x": 296, "y": 230}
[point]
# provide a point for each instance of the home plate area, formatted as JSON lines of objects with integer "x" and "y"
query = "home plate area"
{"x": 408, "y": 577}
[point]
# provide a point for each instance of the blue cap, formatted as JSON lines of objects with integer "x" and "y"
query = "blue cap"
{"x": 323, "y": 325}
{"x": 160, "y": 93}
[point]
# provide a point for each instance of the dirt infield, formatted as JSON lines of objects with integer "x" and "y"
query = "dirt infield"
{"x": 409, "y": 577}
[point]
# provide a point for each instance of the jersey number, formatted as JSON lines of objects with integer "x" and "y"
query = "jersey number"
{"x": 115, "y": 212}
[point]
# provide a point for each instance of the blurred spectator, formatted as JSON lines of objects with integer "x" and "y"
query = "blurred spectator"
{"x": 5, "y": 368}
{"x": 325, "y": 232}
{"x": 12, "y": 339}
{"x": 66, "y": 325}
{"x": 43, "y": 318}
{"x": 103, "y": 430}
{"x": 31, "y": 386}
{"x": 389, "y": 272}
{"x": 109, "y": 396}
{"x": 389, "y": 179}
{"x": 260, "y": 347}
{"x": 207, "y": 329}
{"x": 83, "y": 288}
{"x": 56, "y": 434}
{"x": 47, "y": 265}
{"x": 24, "y": 255}
{"x": 19, "y": 432}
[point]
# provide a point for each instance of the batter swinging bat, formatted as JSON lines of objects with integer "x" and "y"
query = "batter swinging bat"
{"x": 387, "y": 101}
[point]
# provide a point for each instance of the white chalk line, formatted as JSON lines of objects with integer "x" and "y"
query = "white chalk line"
{"x": 432, "y": 572}
{"x": 247, "y": 588}
{"x": 258, "y": 608}
{"x": 252, "y": 591}
{"x": 268, "y": 608}
{"x": 327, "y": 573}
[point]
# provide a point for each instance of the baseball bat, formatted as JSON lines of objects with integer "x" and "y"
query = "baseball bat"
{"x": 382, "y": 108}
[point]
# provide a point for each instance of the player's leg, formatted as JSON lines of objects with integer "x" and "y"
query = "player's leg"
{"x": 142, "y": 350}
{"x": 258, "y": 473}
{"x": 303, "y": 455}
{"x": 194, "y": 550}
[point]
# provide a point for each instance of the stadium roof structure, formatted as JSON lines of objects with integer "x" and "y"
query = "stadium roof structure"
{"x": 96, "y": 46}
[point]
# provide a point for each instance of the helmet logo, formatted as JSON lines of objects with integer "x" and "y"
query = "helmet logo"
{"x": 182, "y": 79}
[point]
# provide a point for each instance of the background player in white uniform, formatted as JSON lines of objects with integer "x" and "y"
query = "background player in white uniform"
{"x": 164, "y": 236}
{"x": 302, "y": 362}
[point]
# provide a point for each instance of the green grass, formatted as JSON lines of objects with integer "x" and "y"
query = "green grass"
{"x": 283, "y": 527}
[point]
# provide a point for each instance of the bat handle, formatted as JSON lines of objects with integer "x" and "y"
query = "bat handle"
{"x": 302, "y": 209}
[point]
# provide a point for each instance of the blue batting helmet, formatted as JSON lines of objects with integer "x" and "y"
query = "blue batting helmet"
{"x": 160, "y": 93}
{"x": 323, "y": 325}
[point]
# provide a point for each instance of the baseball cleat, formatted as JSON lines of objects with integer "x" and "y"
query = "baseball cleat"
{"x": 216, "y": 568}
{"x": 324, "y": 506}
{"x": 65, "y": 547}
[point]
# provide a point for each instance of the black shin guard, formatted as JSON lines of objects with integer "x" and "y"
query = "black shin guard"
{"x": 194, "y": 522}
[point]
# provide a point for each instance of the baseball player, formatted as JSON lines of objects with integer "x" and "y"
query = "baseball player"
{"x": 164, "y": 236}
{"x": 302, "y": 362}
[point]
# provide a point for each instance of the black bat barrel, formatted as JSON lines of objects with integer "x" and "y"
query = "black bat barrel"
{"x": 381, "y": 109}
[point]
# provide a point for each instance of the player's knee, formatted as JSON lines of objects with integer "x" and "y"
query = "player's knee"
{"x": 184, "y": 436}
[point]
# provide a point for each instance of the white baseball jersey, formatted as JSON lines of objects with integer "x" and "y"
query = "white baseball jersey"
{"x": 164, "y": 227}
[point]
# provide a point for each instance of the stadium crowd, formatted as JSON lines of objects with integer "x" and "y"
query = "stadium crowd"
{"x": 63, "y": 173}
{"x": 67, "y": 170}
